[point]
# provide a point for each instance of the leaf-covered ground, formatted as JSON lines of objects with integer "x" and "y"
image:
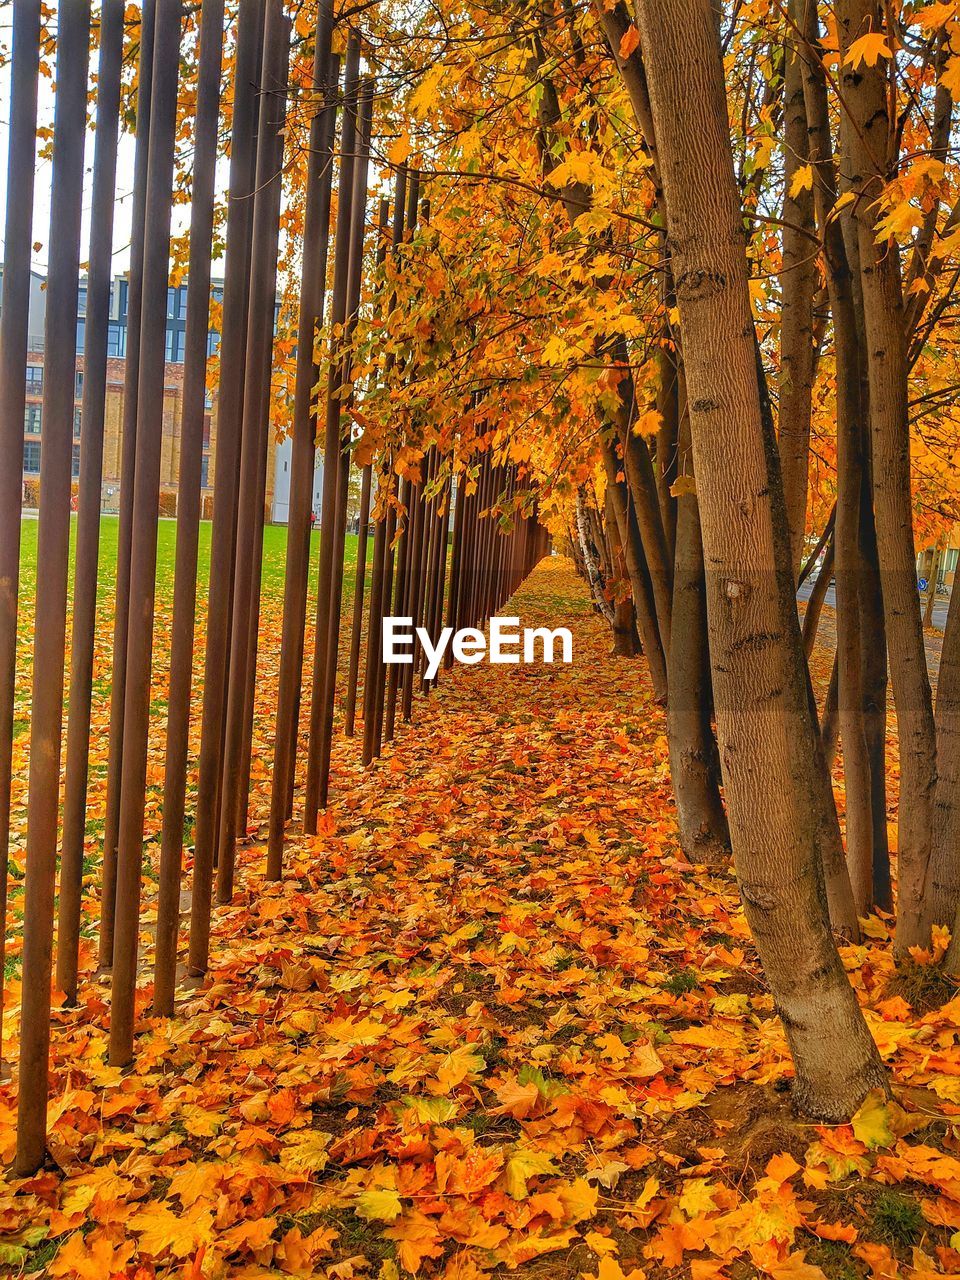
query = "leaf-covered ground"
{"x": 493, "y": 1023}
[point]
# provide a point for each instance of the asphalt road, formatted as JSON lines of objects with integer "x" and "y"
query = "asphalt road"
{"x": 939, "y": 609}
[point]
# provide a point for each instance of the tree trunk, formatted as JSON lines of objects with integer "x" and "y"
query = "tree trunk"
{"x": 932, "y": 588}
{"x": 591, "y": 560}
{"x": 768, "y": 744}
{"x": 867, "y": 134}
{"x": 637, "y": 572}
{"x": 638, "y": 468}
{"x": 814, "y": 609}
{"x": 830, "y": 719}
{"x": 851, "y": 471}
{"x": 668, "y": 443}
{"x": 694, "y": 760}
{"x": 624, "y": 631}
{"x": 873, "y": 640}
{"x": 798, "y": 284}
{"x": 942, "y": 897}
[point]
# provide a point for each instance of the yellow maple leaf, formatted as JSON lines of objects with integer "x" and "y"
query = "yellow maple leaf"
{"x": 950, "y": 77}
{"x": 697, "y": 1197}
{"x": 160, "y": 1229}
{"x": 601, "y": 1245}
{"x": 354, "y": 1031}
{"x": 684, "y": 486}
{"x": 417, "y": 1238}
{"x": 381, "y": 1204}
{"x": 523, "y": 1165}
{"x": 610, "y": 1269}
{"x": 868, "y": 49}
{"x": 91, "y": 1257}
{"x": 456, "y": 1067}
{"x": 802, "y": 180}
{"x": 874, "y": 1123}
{"x": 629, "y": 41}
{"x": 399, "y": 149}
{"x": 796, "y": 1267}
{"x": 648, "y": 424}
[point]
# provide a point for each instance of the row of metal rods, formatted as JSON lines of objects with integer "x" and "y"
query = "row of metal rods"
{"x": 421, "y": 568}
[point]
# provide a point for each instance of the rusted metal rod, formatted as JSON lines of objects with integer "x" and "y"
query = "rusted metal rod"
{"x": 143, "y": 548}
{"x": 388, "y": 571}
{"x": 53, "y": 545}
{"x": 14, "y": 336}
{"x": 316, "y": 238}
{"x": 360, "y": 577}
{"x": 90, "y": 481}
{"x": 188, "y": 504}
{"x": 358, "y": 208}
{"x": 332, "y": 441}
{"x": 128, "y": 466}
{"x": 259, "y": 346}
{"x": 229, "y": 414}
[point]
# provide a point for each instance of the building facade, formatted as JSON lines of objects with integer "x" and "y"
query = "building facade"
{"x": 113, "y": 411}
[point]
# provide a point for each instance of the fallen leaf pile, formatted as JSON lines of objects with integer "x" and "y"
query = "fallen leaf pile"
{"x": 491, "y": 1022}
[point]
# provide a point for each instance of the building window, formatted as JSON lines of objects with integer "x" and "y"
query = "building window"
{"x": 205, "y": 472}
{"x": 124, "y": 293}
{"x": 81, "y": 335}
{"x": 82, "y": 300}
{"x": 32, "y": 416}
{"x": 31, "y": 458}
{"x": 213, "y": 343}
{"x": 116, "y": 340}
{"x": 206, "y": 431}
{"x": 78, "y": 386}
{"x": 174, "y": 346}
{"x": 34, "y": 379}
{"x": 75, "y": 464}
{"x": 76, "y": 421}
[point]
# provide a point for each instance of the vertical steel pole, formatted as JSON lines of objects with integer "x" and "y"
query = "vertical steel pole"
{"x": 279, "y": 77}
{"x": 331, "y": 448}
{"x": 400, "y": 597}
{"x": 359, "y": 584}
{"x": 143, "y": 544}
{"x": 415, "y": 579}
{"x": 324, "y": 220}
{"x": 456, "y": 562}
{"x": 431, "y": 536}
{"x": 53, "y": 546}
{"x": 466, "y": 500}
{"x": 259, "y": 347}
{"x": 229, "y": 416}
{"x": 91, "y": 473}
{"x": 358, "y": 208}
{"x": 128, "y": 465}
{"x": 438, "y": 574}
{"x": 188, "y": 503}
{"x": 374, "y": 660}
{"x": 316, "y": 237}
{"x": 375, "y": 678}
{"x": 14, "y": 336}
{"x": 379, "y": 699}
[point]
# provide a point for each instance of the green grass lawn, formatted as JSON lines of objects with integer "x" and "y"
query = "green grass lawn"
{"x": 271, "y": 613}
{"x": 274, "y": 556}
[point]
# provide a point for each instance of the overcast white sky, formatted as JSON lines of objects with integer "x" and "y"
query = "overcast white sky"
{"x": 41, "y": 202}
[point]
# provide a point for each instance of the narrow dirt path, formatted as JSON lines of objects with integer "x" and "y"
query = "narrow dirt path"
{"x": 491, "y": 1021}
